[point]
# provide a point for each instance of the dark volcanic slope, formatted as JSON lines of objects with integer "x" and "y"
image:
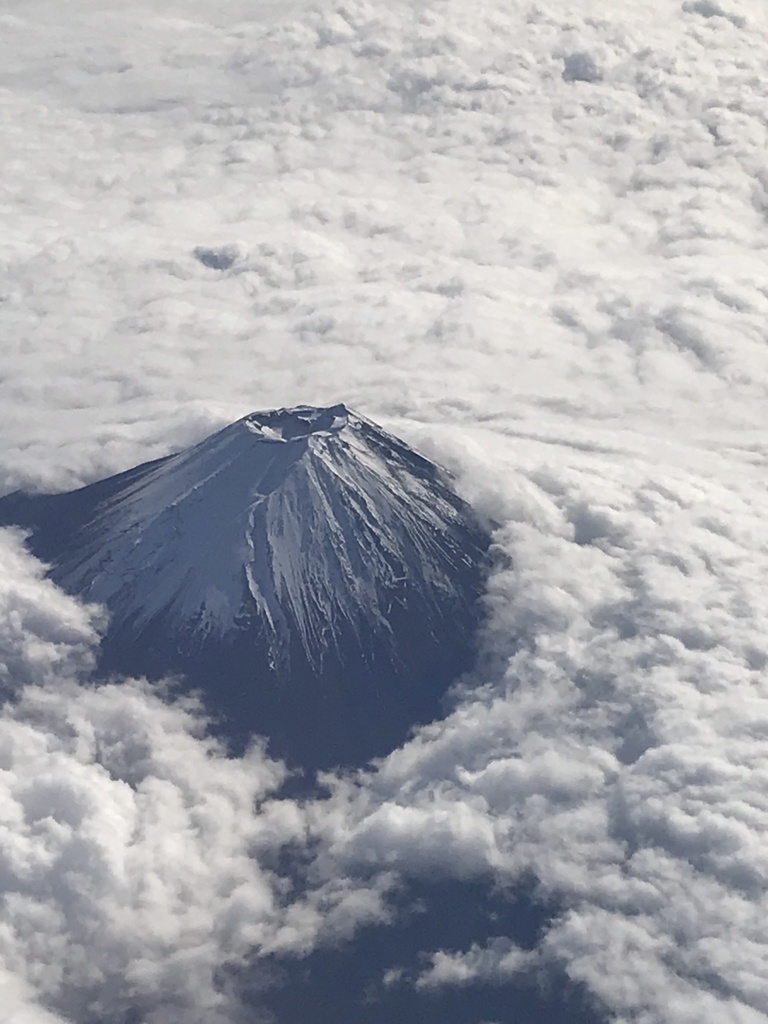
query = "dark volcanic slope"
{"x": 315, "y": 577}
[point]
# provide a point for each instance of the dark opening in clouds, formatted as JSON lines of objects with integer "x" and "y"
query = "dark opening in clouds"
{"x": 218, "y": 258}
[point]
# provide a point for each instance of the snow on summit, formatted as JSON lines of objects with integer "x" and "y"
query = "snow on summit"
{"x": 300, "y": 551}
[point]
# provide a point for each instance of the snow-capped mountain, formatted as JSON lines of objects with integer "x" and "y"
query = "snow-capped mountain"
{"x": 317, "y": 578}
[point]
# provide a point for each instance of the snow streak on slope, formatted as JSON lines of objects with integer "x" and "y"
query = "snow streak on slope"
{"x": 321, "y": 528}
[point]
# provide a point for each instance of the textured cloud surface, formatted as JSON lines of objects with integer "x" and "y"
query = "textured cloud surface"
{"x": 137, "y": 861}
{"x": 417, "y": 208}
{"x": 620, "y": 757}
{"x": 531, "y": 239}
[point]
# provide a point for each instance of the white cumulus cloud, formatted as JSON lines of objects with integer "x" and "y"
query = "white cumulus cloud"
{"x": 530, "y": 239}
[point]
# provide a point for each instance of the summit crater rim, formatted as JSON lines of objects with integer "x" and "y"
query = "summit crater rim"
{"x": 297, "y": 423}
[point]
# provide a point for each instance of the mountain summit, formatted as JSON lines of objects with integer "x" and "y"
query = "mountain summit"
{"x": 313, "y": 576}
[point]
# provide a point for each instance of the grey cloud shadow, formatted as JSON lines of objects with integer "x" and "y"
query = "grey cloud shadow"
{"x": 344, "y": 985}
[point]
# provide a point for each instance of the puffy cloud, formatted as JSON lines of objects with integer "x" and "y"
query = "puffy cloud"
{"x": 21, "y": 1006}
{"x": 126, "y": 853}
{"x": 42, "y": 632}
{"x": 500, "y": 961}
{"x": 532, "y": 241}
{"x": 619, "y": 761}
{"x": 422, "y": 217}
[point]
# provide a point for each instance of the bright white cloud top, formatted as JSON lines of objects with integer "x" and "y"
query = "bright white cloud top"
{"x": 529, "y": 238}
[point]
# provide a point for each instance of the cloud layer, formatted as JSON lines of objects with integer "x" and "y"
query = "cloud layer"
{"x": 531, "y": 240}
{"x": 619, "y": 759}
{"x": 426, "y": 214}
